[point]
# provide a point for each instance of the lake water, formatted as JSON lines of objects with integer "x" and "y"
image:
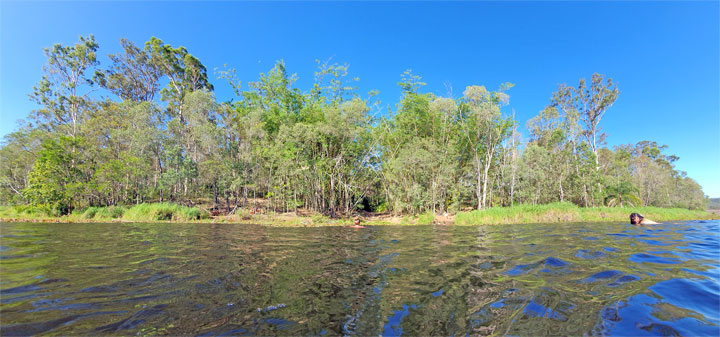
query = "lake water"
{"x": 222, "y": 279}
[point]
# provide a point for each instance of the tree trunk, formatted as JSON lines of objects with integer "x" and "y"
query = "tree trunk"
{"x": 215, "y": 192}
{"x": 245, "y": 195}
{"x": 478, "y": 187}
{"x": 485, "y": 180}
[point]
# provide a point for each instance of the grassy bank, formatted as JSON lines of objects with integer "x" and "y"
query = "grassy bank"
{"x": 162, "y": 212}
{"x": 167, "y": 212}
{"x": 567, "y": 212}
{"x": 136, "y": 213}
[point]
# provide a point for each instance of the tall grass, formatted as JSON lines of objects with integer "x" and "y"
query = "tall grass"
{"x": 141, "y": 212}
{"x": 28, "y": 211}
{"x": 567, "y": 212}
{"x": 426, "y": 218}
{"x": 164, "y": 212}
{"x": 555, "y": 212}
{"x": 101, "y": 213}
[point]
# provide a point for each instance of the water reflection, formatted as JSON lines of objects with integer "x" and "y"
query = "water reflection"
{"x": 220, "y": 280}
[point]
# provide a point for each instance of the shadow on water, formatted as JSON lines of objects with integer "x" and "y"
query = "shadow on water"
{"x": 222, "y": 280}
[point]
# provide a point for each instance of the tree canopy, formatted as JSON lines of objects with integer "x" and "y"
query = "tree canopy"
{"x": 102, "y": 136}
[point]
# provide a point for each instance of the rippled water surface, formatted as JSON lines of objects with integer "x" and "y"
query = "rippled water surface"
{"x": 221, "y": 279}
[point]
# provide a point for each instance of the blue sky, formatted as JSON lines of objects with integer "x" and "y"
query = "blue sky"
{"x": 663, "y": 55}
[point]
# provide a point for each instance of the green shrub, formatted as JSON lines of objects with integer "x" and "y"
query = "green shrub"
{"x": 192, "y": 213}
{"x": 111, "y": 212}
{"x": 382, "y": 207}
{"x": 36, "y": 211}
{"x": 164, "y": 212}
{"x": 426, "y": 218}
{"x": 568, "y": 212}
{"x": 90, "y": 212}
{"x": 107, "y": 212}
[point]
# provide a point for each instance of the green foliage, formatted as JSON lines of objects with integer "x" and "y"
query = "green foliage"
{"x": 17, "y": 156}
{"x": 29, "y": 211}
{"x": 382, "y": 207}
{"x": 132, "y": 76}
{"x": 90, "y": 212}
{"x": 164, "y": 212}
{"x": 410, "y": 83}
{"x": 520, "y": 214}
{"x": 323, "y": 149}
{"x": 624, "y": 192}
{"x": 110, "y": 212}
{"x": 426, "y": 218}
{"x": 568, "y": 212}
{"x": 56, "y": 177}
{"x": 63, "y": 91}
{"x": 140, "y": 212}
{"x": 184, "y": 72}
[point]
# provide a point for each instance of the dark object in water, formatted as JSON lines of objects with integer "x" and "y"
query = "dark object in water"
{"x": 356, "y": 223}
{"x": 637, "y": 219}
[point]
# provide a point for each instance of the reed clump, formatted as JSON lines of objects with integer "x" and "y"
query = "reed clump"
{"x": 137, "y": 213}
{"x": 426, "y": 218}
{"x": 568, "y": 212}
{"x": 101, "y": 213}
{"x": 28, "y": 211}
{"x": 164, "y": 212}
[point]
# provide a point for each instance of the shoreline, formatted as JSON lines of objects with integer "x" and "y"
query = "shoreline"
{"x": 523, "y": 214}
{"x": 274, "y": 220}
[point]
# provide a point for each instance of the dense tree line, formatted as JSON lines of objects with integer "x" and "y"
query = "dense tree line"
{"x": 148, "y": 128}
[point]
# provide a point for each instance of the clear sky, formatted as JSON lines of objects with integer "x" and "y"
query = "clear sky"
{"x": 663, "y": 55}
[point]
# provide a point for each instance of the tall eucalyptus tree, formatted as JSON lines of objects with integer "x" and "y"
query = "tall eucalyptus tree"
{"x": 64, "y": 91}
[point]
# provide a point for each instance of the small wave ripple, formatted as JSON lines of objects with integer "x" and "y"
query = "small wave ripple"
{"x": 228, "y": 280}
